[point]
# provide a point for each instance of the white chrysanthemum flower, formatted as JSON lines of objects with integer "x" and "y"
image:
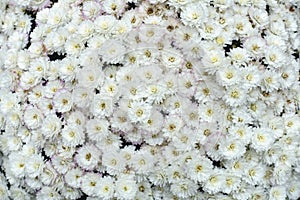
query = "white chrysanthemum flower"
{"x": 274, "y": 57}
{"x": 184, "y": 188}
{"x": 172, "y": 125}
{"x": 113, "y": 6}
{"x": 29, "y": 150}
{"x": 154, "y": 122}
{"x": 13, "y": 119}
{"x": 62, "y": 164}
{"x": 68, "y": 68}
{"x": 121, "y": 121}
{"x": 186, "y": 85}
{"x": 175, "y": 104}
{"x": 207, "y": 90}
{"x": 98, "y": 40}
{"x": 193, "y": 14}
{"x": 239, "y": 55}
{"x": 143, "y": 162}
{"x": 97, "y": 129}
{"x": 286, "y": 157}
{"x": 6, "y": 79}
{"x": 171, "y": 59}
{"x": 291, "y": 123}
{"x": 254, "y": 173}
{"x": 190, "y": 115}
{"x": 277, "y": 192}
{"x": 52, "y": 72}
{"x": 89, "y": 58}
{"x": 293, "y": 189}
{"x": 24, "y": 134}
{"x": 132, "y": 91}
{"x": 57, "y": 39}
{"x": 88, "y": 157}
{"x": 250, "y": 76}
{"x": 232, "y": 148}
{"x": 14, "y": 143}
{"x": 33, "y": 117}
{"x": 150, "y": 74}
{"x": 288, "y": 77}
{"x": 104, "y": 23}
{"x": 214, "y": 182}
{"x": 113, "y": 161}
{"x": 39, "y": 66}
{"x": 255, "y": 45}
{"x": 17, "y": 163}
{"x": 110, "y": 142}
{"x": 76, "y": 118}
{"x": 241, "y": 132}
{"x": 208, "y": 111}
{"x": 89, "y": 77}
{"x": 212, "y": 60}
{"x": 145, "y": 54}
{"x": 126, "y": 187}
{"x": 232, "y": 183}
{"x": 235, "y": 96}
{"x": 262, "y": 139}
{"x": 90, "y": 184}
{"x": 242, "y": 25}
{"x": 211, "y": 30}
{"x": 34, "y": 166}
{"x": 228, "y": 76}
{"x": 48, "y": 193}
{"x": 63, "y": 101}
{"x": 36, "y": 49}
{"x": 139, "y": 111}
{"x": 244, "y": 191}
{"x": 170, "y": 81}
{"x": 112, "y": 51}
{"x": 74, "y": 46}
{"x": 110, "y": 88}
{"x": 73, "y": 177}
{"x": 102, "y": 106}
{"x": 128, "y": 152}
{"x": 275, "y": 41}
{"x": 28, "y": 80}
{"x": 185, "y": 139}
{"x": 51, "y": 126}
{"x": 85, "y": 29}
{"x": 46, "y": 106}
{"x": 236, "y": 166}
{"x": 277, "y": 26}
{"x": 134, "y": 136}
{"x": 72, "y": 136}
{"x": 51, "y": 88}
{"x": 82, "y": 96}
{"x": 3, "y": 189}
{"x": 8, "y": 101}
{"x": 259, "y": 193}
{"x": 144, "y": 190}
{"x": 280, "y": 174}
{"x": 199, "y": 169}
{"x": 260, "y": 16}
{"x": 106, "y": 188}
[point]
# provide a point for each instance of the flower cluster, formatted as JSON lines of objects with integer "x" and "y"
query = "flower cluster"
{"x": 149, "y": 99}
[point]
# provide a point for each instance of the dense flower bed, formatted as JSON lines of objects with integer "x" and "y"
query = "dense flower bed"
{"x": 149, "y": 99}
